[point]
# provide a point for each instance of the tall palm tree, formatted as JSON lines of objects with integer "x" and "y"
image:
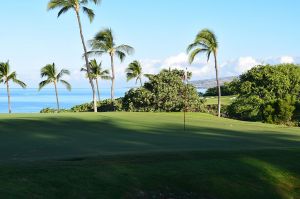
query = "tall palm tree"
{"x": 102, "y": 43}
{"x": 77, "y": 6}
{"x": 6, "y": 76}
{"x": 134, "y": 71}
{"x": 53, "y": 76}
{"x": 206, "y": 42}
{"x": 97, "y": 73}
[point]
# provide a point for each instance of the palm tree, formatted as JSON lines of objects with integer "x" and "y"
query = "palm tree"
{"x": 102, "y": 43}
{"x": 77, "y": 6}
{"x": 97, "y": 73}
{"x": 50, "y": 72}
{"x": 134, "y": 71}
{"x": 206, "y": 42}
{"x": 6, "y": 76}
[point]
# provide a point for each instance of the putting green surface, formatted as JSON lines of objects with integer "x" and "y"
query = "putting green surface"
{"x": 146, "y": 155}
{"x": 38, "y": 137}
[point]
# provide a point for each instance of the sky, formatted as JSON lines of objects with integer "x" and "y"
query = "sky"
{"x": 249, "y": 33}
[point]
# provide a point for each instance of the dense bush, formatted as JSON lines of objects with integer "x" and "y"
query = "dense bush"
{"x": 102, "y": 106}
{"x": 138, "y": 100}
{"x": 268, "y": 93}
{"x": 226, "y": 90}
{"x": 163, "y": 92}
{"x": 87, "y": 107}
{"x": 50, "y": 110}
{"x": 213, "y": 109}
{"x": 110, "y": 106}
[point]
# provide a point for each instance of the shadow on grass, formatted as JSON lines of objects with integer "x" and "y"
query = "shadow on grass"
{"x": 70, "y": 137}
{"x": 114, "y": 159}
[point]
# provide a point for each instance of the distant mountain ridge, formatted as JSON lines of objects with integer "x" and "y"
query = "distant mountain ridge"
{"x": 210, "y": 83}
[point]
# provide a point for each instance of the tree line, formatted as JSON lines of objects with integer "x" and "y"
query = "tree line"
{"x": 103, "y": 43}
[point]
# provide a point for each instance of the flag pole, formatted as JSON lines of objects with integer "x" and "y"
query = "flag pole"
{"x": 185, "y": 98}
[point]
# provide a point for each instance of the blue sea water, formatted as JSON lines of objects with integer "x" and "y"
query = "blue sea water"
{"x": 32, "y": 101}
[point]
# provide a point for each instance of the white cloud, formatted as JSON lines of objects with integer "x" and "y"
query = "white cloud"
{"x": 287, "y": 60}
{"x": 245, "y": 64}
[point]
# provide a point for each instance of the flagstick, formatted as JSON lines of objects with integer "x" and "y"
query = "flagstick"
{"x": 185, "y": 97}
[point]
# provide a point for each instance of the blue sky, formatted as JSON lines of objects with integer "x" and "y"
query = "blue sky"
{"x": 249, "y": 33}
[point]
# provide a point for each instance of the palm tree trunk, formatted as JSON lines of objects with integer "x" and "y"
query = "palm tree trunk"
{"x": 8, "y": 97}
{"x": 112, "y": 77}
{"x": 87, "y": 61}
{"x": 218, "y": 85}
{"x": 98, "y": 89}
{"x": 141, "y": 82}
{"x": 56, "y": 93}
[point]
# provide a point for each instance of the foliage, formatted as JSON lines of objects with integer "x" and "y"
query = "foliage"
{"x": 102, "y": 106}
{"x": 213, "y": 109}
{"x": 103, "y": 43}
{"x": 97, "y": 72}
{"x": 6, "y": 75}
{"x": 65, "y": 5}
{"x": 267, "y": 93}
{"x": 227, "y": 89}
{"x": 138, "y": 100}
{"x": 86, "y": 107}
{"x": 110, "y": 106}
{"x": 134, "y": 71}
{"x": 164, "y": 92}
{"x": 206, "y": 42}
{"x": 53, "y": 76}
{"x": 51, "y": 110}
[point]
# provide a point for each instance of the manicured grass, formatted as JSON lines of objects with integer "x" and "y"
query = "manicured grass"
{"x": 226, "y": 100}
{"x": 146, "y": 155}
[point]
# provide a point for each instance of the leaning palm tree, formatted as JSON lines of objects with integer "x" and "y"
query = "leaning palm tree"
{"x": 97, "y": 73}
{"x": 206, "y": 42}
{"x": 134, "y": 71}
{"x": 102, "y": 43}
{"x": 6, "y": 76}
{"x": 50, "y": 72}
{"x": 77, "y": 5}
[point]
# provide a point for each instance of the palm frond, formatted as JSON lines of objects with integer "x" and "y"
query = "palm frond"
{"x": 126, "y": 49}
{"x": 49, "y": 71}
{"x": 194, "y": 53}
{"x": 89, "y": 12}
{"x": 62, "y": 73}
{"x": 19, "y": 82}
{"x": 53, "y": 4}
{"x": 4, "y": 68}
{"x": 121, "y": 55}
{"x": 67, "y": 84}
{"x": 11, "y": 76}
{"x": 64, "y": 10}
{"x": 83, "y": 69}
{"x": 149, "y": 75}
{"x": 44, "y": 83}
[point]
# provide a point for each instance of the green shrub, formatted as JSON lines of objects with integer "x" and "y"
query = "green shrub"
{"x": 268, "y": 94}
{"x": 164, "y": 92}
{"x": 50, "y": 110}
{"x": 86, "y": 107}
{"x": 110, "y": 106}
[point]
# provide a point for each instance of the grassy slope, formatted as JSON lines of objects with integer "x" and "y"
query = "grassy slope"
{"x": 226, "y": 100}
{"x": 141, "y": 155}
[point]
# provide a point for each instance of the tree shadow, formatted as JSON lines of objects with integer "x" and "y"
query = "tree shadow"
{"x": 218, "y": 160}
{"x": 63, "y": 137}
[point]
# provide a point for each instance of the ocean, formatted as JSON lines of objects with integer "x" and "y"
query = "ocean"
{"x": 31, "y": 100}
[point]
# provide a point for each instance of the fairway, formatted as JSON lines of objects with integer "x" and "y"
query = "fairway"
{"x": 146, "y": 154}
{"x": 38, "y": 137}
{"x": 225, "y": 100}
